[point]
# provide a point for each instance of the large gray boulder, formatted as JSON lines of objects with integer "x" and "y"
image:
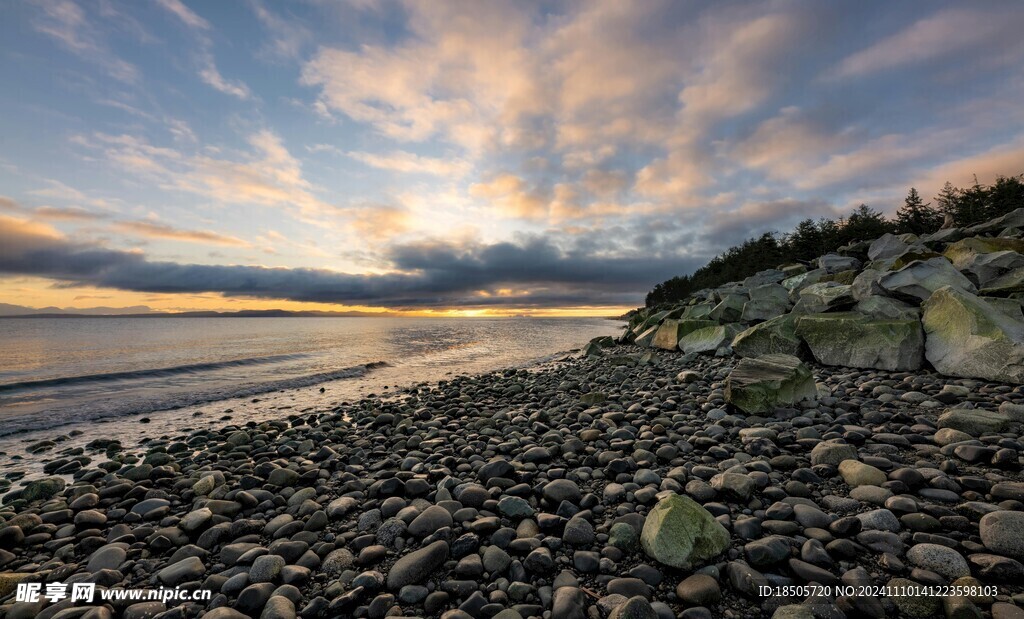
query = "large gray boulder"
{"x": 762, "y": 384}
{"x": 799, "y": 282}
{"x": 982, "y": 259}
{"x": 854, "y": 340}
{"x": 647, "y": 336}
{"x": 965, "y": 336}
{"x": 761, "y": 278}
{"x": 775, "y": 336}
{"x": 708, "y": 339}
{"x": 919, "y": 279}
{"x": 667, "y": 336}
{"x": 680, "y": 533}
{"x": 730, "y": 309}
{"x": 759, "y": 310}
{"x": 825, "y": 297}
{"x": 834, "y": 263}
{"x": 1006, "y": 284}
{"x": 884, "y": 308}
{"x": 886, "y": 246}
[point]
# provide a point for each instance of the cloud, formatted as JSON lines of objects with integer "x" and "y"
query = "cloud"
{"x": 185, "y": 14}
{"x": 434, "y": 274}
{"x": 402, "y": 161}
{"x": 512, "y": 196}
{"x": 943, "y": 33}
{"x": 288, "y": 37}
{"x": 267, "y": 175}
{"x": 729, "y": 227}
{"x": 164, "y": 231}
{"x": 52, "y": 213}
{"x": 67, "y": 23}
{"x": 211, "y": 76}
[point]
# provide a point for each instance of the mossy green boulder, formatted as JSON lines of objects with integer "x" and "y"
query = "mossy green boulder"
{"x": 708, "y": 339}
{"x": 680, "y": 533}
{"x": 775, "y": 336}
{"x": 762, "y": 384}
{"x": 965, "y": 336}
{"x": 854, "y": 340}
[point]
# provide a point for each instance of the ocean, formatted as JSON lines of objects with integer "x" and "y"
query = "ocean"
{"x": 57, "y": 372}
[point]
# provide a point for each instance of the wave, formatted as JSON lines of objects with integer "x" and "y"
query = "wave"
{"x": 192, "y": 368}
{"x": 122, "y": 406}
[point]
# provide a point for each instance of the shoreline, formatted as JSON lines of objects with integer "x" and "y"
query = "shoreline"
{"x": 525, "y": 491}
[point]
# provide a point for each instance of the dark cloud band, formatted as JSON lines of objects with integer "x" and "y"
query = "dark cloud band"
{"x": 430, "y": 275}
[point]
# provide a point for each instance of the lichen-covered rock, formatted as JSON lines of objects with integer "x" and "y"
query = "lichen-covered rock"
{"x": 708, "y": 339}
{"x": 965, "y": 336}
{"x": 855, "y": 340}
{"x": 775, "y": 336}
{"x": 833, "y": 263}
{"x": 919, "y": 279}
{"x": 667, "y": 336}
{"x": 803, "y": 280}
{"x": 730, "y": 309}
{"x": 757, "y": 310}
{"x": 825, "y": 297}
{"x": 762, "y": 384}
{"x": 886, "y": 246}
{"x": 884, "y": 308}
{"x": 680, "y": 533}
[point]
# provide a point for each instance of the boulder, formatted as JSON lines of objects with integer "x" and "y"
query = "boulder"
{"x": 985, "y": 258}
{"x": 1010, "y": 307}
{"x": 698, "y": 311}
{"x": 1006, "y": 284}
{"x": 885, "y": 308}
{"x": 777, "y": 335}
{"x": 730, "y": 309}
{"x": 1013, "y": 219}
{"x": 865, "y": 285}
{"x": 647, "y": 336}
{"x": 855, "y": 340}
{"x": 833, "y": 263}
{"x": 825, "y": 297}
{"x": 758, "y": 310}
{"x": 919, "y": 279}
{"x": 680, "y": 533}
{"x": 762, "y": 384}
{"x": 965, "y": 336}
{"x": 667, "y": 336}
{"x": 803, "y": 280}
{"x": 708, "y": 339}
{"x": 886, "y": 246}
{"x": 766, "y": 277}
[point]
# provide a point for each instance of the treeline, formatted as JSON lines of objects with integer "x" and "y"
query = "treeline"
{"x": 965, "y": 206}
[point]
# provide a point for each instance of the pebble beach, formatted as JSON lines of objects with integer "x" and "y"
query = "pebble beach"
{"x": 620, "y": 483}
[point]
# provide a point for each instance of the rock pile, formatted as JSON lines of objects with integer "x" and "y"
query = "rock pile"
{"x": 949, "y": 300}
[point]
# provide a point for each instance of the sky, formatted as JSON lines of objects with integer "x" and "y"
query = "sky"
{"x": 468, "y": 158}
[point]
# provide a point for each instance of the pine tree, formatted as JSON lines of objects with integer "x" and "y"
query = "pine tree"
{"x": 917, "y": 217}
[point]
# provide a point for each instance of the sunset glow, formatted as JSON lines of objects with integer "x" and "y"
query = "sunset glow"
{"x": 467, "y": 159}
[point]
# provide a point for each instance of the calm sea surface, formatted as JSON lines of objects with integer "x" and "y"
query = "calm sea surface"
{"x": 58, "y": 372}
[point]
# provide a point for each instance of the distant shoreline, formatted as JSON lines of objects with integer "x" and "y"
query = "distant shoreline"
{"x": 272, "y": 314}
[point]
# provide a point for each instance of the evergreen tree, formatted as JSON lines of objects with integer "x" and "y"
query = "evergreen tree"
{"x": 1006, "y": 195}
{"x": 917, "y": 217}
{"x": 948, "y": 200}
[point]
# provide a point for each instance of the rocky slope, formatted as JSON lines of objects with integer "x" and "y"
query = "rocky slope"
{"x": 950, "y": 301}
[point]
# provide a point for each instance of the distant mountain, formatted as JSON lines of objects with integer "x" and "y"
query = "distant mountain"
{"x": 8, "y": 310}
